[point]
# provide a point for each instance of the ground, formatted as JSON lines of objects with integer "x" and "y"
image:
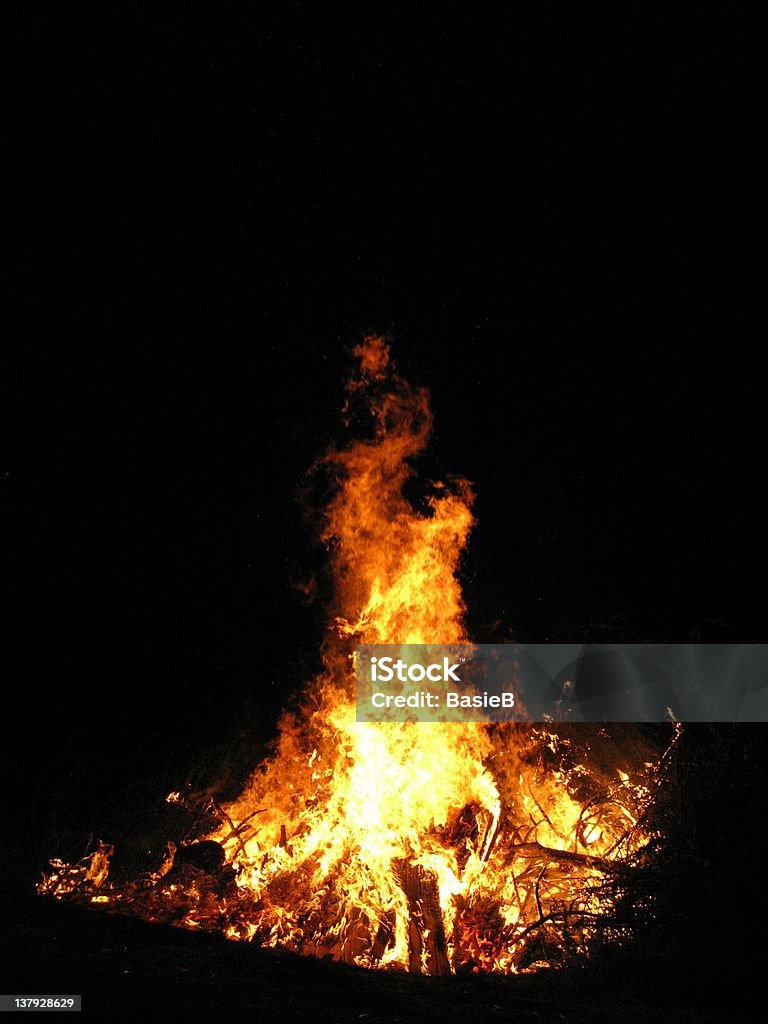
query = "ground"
{"x": 124, "y": 968}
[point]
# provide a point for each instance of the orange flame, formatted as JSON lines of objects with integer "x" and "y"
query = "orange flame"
{"x": 392, "y": 831}
{"x": 425, "y": 846}
{"x": 395, "y": 570}
{"x": 368, "y": 799}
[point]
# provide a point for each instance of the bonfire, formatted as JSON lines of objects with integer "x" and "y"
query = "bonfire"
{"x": 433, "y": 847}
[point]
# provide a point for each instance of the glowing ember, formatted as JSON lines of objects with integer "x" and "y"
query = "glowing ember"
{"x": 426, "y": 846}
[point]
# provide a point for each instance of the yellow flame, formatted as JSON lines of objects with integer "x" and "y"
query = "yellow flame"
{"x": 356, "y": 801}
{"x": 425, "y": 845}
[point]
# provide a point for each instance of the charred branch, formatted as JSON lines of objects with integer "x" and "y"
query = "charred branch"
{"x": 533, "y": 851}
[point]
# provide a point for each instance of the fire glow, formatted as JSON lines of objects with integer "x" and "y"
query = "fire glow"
{"x": 429, "y": 847}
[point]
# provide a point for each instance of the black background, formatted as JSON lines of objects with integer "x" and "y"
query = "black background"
{"x": 552, "y": 213}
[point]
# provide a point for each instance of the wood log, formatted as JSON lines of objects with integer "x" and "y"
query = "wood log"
{"x": 427, "y": 947}
{"x": 385, "y": 936}
{"x": 354, "y": 938}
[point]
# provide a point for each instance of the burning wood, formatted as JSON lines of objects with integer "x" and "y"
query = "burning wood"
{"x": 427, "y": 847}
{"x": 427, "y": 948}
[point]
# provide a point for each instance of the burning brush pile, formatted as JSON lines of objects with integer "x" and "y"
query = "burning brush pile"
{"x": 431, "y": 847}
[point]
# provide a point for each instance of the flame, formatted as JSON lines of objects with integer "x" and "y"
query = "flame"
{"x": 425, "y": 846}
{"x": 369, "y": 800}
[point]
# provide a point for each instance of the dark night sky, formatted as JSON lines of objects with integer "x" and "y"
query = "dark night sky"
{"x": 553, "y": 215}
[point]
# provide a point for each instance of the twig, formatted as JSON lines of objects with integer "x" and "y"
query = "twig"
{"x": 546, "y": 918}
{"x": 238, "y": 830}
{"x": 235, "y": 831}
{"x": 546, "y": 816}
{"x": 536, "y": 890}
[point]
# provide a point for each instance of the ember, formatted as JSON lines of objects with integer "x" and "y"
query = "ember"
{"x": 427, "y": 847}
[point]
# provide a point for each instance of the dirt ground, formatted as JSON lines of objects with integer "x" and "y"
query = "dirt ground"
{"x": 125, "y": 968}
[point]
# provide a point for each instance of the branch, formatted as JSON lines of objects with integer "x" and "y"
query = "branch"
{"x": 534, "y": 849}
